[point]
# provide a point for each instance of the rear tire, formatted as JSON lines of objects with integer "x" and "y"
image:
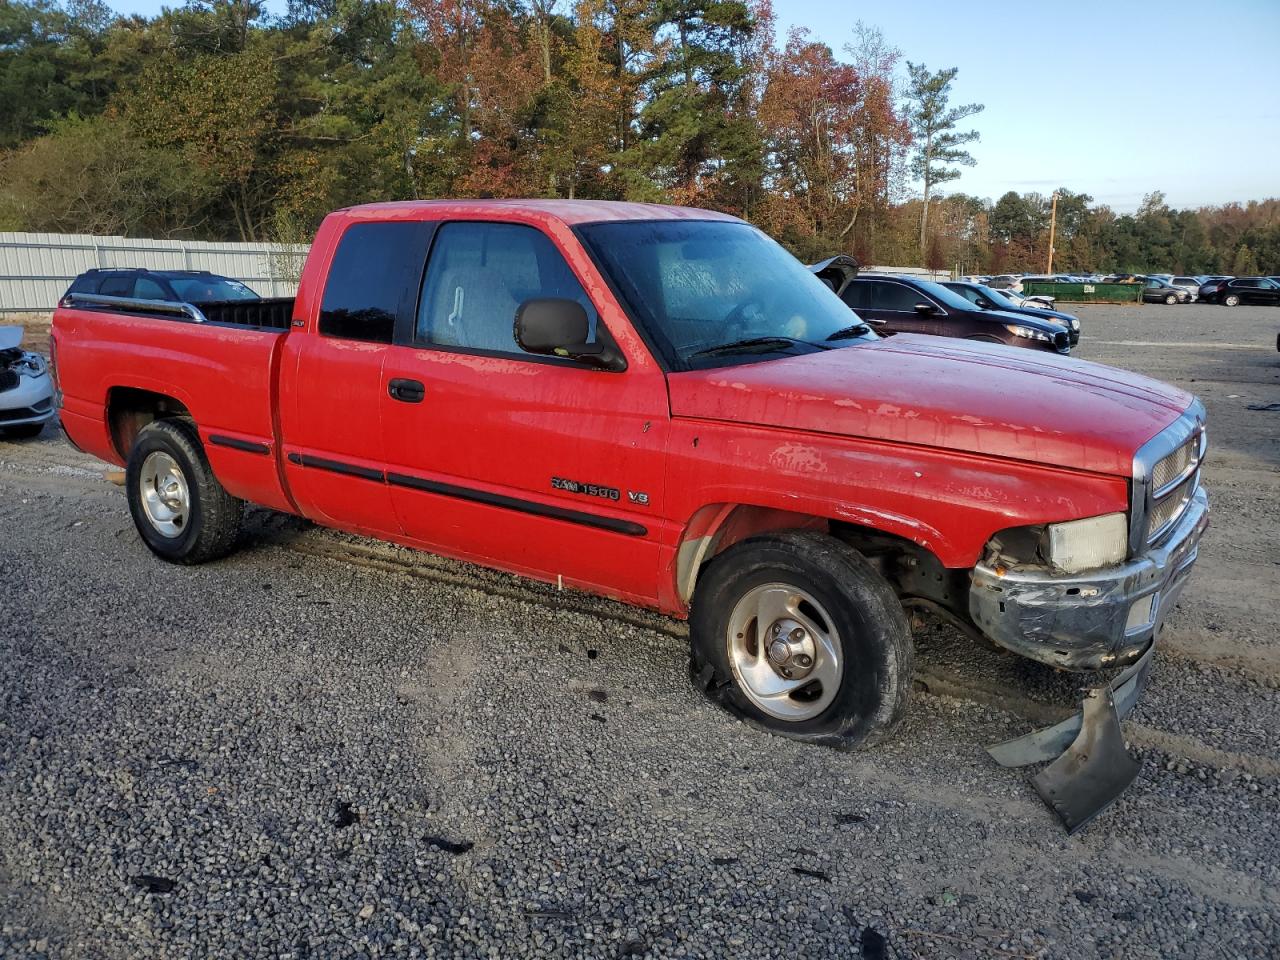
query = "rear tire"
{"x": 1231, "y": 300}
{"x": 180, "y": 509}
{"x": 834, "y": 664}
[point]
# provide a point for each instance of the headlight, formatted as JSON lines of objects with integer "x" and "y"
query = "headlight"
{"x": 33, "y": 365}
{"x": 1075, "y": 323}
{"x": 1029, "y": 333}
{"x": 1080, "y": 545}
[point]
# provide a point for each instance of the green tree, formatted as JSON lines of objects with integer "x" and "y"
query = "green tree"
{"x": 939, "y": 146}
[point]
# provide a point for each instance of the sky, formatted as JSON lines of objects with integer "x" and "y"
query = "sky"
{"x": 1113, "y": 99}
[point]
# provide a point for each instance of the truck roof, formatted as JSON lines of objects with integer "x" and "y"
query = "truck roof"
{"x": 569, "y": 212}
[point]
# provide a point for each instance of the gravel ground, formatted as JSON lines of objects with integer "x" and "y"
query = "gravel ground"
{"x": 328, "y": 747}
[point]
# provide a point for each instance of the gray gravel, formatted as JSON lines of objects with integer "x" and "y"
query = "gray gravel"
{"x": 325, "y": 747}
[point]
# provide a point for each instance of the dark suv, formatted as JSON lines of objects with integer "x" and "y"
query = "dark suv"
{"x": 896, "y": 304}
{"x": 177, "y": 286}
{"x": 1238, "y": 290}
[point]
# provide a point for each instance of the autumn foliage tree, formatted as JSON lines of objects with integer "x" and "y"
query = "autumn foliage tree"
{"x": 218, "y": 120}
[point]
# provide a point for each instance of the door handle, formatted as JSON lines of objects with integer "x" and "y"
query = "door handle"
{"x": 406, "y": 391}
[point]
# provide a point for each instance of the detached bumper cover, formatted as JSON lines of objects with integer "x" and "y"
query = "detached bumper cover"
{"x": 1088, "y": 765}
{"x": 1091, "y": 620}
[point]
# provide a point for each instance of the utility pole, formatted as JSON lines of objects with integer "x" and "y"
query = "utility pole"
{"x": 1053, "y": 223}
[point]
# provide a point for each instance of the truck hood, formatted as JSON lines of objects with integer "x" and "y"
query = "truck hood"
{"x": 930, "y": 391}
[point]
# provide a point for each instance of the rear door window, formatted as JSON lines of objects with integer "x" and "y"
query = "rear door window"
{"x": 897, "y": 296}
{"x": 373, "y": 280}
{"x": 857, "y": 295}
{"x": 117, "y": 285}
{"x": 480, "y": 274}
{"x": 148, "y": 289}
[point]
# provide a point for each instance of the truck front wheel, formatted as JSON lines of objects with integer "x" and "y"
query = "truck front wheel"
{"x": 796, "y": 632}
{"x": 180, "y": 509}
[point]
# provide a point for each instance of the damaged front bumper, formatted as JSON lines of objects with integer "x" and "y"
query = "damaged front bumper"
{"x": 1088, "y": 621}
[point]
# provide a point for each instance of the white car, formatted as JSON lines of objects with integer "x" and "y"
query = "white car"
{"x": 1190, "y": 284}
{"x": 1040, "y": 302}
{"x": 26, "y": 390}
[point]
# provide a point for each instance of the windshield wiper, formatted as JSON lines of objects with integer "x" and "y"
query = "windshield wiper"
{"x": 855, "y": 330}
{"x": 754, "y": 345}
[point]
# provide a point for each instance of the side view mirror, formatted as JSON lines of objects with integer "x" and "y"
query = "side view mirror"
{"x": 925, "y": 308}
{"x": 559, "y": 328}
{"x": 986, "y": 304}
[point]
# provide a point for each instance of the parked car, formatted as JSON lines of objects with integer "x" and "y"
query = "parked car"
{"x": 1242, "y": 290}
{"x": 1190, "y": 284}
{"x": 1040, "y": 300}
{"x": 896, "y": 304}
{"x": 176, "y": 286}
{"x": 1006, "y": 281}
{"x": 1006, "y": 301}
{"x": 663, "y": 406}
{"x": 26, "y": 391}
{"x": 1155, "y": 290}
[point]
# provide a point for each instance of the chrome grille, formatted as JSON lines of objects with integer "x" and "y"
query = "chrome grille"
{"x": 1166, "y": 475}
{"x": 1175, "y": 466}
{"x": 1166, "y": 511}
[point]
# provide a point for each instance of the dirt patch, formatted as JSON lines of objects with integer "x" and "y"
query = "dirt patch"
{"x": 36, "y": 326}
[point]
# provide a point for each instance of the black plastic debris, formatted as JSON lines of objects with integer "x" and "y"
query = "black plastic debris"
{"x": 1084, "y": 896}
{"x": 153, "y": 884}
{"x": 344, "y": 816}
{"x": 598, "y": 718}
{"x": 816, "y": 874}
{"x": 592, "y": 654}
{"x": 448, "y": 846}
{"x": 845, "y": 819}
{"x": 723, "y": 861}
{"x": 632, "y": 948}
{"x": 599, "y": 696}
{"x": 874, "y": 945}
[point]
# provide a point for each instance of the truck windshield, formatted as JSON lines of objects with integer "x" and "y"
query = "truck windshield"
{"x": 717, "y": 292}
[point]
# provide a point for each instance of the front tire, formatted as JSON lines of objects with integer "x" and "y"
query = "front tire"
{"x": 180, "y": 509}
{"x": 795, "y": 632}
{"x": 1171, "y": 299}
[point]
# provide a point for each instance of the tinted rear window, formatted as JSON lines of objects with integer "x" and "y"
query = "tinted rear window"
{"x": 373, "y": 280}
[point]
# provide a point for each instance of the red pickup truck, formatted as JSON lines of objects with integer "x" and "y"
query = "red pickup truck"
{"x": 660, "y": 405}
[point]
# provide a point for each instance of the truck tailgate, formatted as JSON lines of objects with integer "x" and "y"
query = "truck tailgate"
{"x": 225, "y": 375}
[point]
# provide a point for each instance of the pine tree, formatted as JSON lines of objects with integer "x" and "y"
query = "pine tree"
{"x": 938, "y": 146}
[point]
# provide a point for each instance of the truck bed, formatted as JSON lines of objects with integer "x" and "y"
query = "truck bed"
{"x": 222, "y": 368}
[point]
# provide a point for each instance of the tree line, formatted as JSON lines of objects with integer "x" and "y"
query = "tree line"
{"x": 216, "y": 121}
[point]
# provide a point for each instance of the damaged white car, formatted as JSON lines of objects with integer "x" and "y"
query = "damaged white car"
{"x": 26, "y": 389}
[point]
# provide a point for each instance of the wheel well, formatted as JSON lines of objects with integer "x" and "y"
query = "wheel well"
{"x": 915, "y": 572}
{"x": 130, "y": 409}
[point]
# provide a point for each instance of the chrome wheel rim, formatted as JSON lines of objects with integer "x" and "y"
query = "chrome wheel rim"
{"x": 785, "y": 653}
{"x": 166, "y": 499}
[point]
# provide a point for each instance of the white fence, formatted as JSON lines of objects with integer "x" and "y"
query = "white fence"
{"x": 37, "y": 268}
{"x": 920, "y": 272}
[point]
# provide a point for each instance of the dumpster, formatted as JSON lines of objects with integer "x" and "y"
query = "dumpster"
{"x": 1085, "y": 292}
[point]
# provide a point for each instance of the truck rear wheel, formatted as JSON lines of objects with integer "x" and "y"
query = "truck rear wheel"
{"x": 180, "y": 509}
{"x": 795, "y": 632}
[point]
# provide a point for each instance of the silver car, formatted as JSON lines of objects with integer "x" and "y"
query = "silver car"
{"x": 26, "y": 389}
{"x": 1190, "y": 284}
